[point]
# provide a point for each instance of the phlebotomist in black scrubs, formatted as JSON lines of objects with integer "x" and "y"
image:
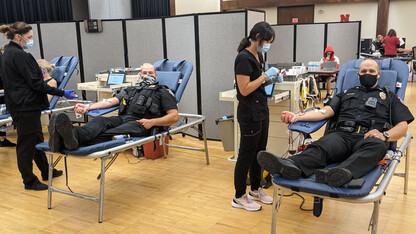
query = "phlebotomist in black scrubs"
{"x": 253, "y": 114}
{"x": 25, "y": 97}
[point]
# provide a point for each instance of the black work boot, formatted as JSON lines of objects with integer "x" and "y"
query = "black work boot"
{"x": 321, "y": 176}
{"x": 55, "y": 173}
{"x": 55, "y": 140}
{"x": 338, "y": 176}
{"x": 277, "y": 165}
{"x": 35, "y": 184}
{"x": 65, "y": 129}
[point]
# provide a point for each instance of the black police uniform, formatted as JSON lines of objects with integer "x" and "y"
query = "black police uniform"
{"x": 253, "y": 117}
{"x": 25, "y": 95}
{"x": 359, "y": 110}
{"x": 146, "y": 102}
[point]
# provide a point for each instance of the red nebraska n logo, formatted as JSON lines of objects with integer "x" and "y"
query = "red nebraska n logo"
{"x": 345, "y": 18}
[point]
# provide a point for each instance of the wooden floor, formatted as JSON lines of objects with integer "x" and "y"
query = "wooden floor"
{"x": 181, "y": 194}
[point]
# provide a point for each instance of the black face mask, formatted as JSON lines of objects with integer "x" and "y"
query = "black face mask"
{"x": 368, "y": 80}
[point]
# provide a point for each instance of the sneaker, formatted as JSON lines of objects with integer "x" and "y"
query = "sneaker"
{"x": 277, "y": 165}
{"x": 55, "y": 173}
{"x": 36, "y": 185}
{"x": 7, "y": 143}
{"x": 65, "y": 129}
{"x": 338, "y": 176}
{"x": 55, "y": 140}
{"x": 245, "y": 203}
{"x": 259, "y": 195}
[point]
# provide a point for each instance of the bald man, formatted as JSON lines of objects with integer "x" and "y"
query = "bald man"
{"x": 367, "y": 118}
{"x": 142, "y": 107}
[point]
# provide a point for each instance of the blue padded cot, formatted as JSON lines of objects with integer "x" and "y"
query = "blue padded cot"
{"x": 393, "y": 74}
{"x": 175, "y": 80}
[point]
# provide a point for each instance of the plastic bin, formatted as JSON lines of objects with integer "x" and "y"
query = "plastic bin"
{"x": 226, "y": 130}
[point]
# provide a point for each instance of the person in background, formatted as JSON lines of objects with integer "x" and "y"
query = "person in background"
{"x": 329, "y": 56}
{"x": 46, "y": 71}
{"x": 25, "y": 96}
{"x": 378, "y": 45}
{"x": 4, "y": 142}
{"x": 253, "y": 114}
{"x": 391, "y": 41}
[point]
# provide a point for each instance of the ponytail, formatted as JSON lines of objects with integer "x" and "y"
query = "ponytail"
{"x": 244, "y": 44}
{"x": 10, "y": 30}
{"x": 261, "y": 31}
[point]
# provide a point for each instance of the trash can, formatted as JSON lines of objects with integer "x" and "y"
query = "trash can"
{"x": 226, "y": 130}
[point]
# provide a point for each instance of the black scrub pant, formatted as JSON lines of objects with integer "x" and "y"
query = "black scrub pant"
{"x": 352, "y": 151}
{"x": 253, "y": 139}
{"x": 29, "y": 133}
{"x": 101, "y": 129}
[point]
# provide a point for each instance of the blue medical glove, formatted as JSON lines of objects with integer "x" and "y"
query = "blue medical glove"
{"x": 276, "y": 79}
{"x": 68, "y": 94}
{"x": 272, "y": 72}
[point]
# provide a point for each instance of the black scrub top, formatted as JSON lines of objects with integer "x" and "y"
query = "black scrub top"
{"x": 253, "y": 107}
{"x": 351, "y": 106}
{"x": 24, "y": 87}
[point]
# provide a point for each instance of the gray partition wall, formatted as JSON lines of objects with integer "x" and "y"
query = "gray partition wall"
{"x": 63, "y": 43}
{"x": 219, "y": 36}
{"x": 310, "y": 39}
{"x": 103, "y": 50}
{"x": 281, "y": 51}
{"x": 180, "y": 44}
{"x": 144, "y": 41}
{"x": 3, "y": 40}
{"x": 253, "y": 17}
{"x": 345, "y": 50}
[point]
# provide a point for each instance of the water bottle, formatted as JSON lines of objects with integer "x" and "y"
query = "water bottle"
{"x": 122, "y": 136}
{"x": 266, "y": 66}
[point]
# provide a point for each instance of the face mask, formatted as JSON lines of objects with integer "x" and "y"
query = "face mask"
{"x": 29, "y": 44}
{"x": 148, "y": 80}
{"x": 368, "y": 80}
{"x": 264, "y": 48}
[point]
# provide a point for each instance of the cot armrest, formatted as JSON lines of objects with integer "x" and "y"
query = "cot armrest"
{"x": 99, "y": 112}
{"x": 307, "y": 127}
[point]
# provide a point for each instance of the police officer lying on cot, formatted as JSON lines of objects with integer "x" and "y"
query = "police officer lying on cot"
{"x": 358, "y": 140}
{"x": 141, "y": 107}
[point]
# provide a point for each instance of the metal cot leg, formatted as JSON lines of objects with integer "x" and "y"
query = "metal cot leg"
{"x": 205, "y": 141}
{"x": 374, "y": 217}
{"x": 274, "y": 211}
{"x": 101, "y": 200}
{"x": 406, "y": 169}
{"x": 50, "y": 181}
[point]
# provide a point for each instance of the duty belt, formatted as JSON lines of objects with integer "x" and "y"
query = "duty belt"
{"x": 351, "y": 127}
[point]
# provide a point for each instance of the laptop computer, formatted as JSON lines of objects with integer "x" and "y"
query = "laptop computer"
{"x": 115, "y": 79}
{"x": 269, "y": 89}
{"x": 329, "y": 66}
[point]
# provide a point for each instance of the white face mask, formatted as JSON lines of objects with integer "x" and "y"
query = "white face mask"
{"x": 28, "y": 45}
{"x": 264, "y": 48}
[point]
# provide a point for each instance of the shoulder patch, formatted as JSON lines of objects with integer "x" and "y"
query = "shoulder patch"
{"x": 171, "y": 93}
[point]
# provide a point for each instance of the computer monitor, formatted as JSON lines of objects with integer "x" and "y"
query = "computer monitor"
{"x": 366, "y": 45}
{"x": 115, "y": 79}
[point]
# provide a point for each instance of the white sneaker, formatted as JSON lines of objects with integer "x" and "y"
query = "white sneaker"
{"x": 245, "y": 203}
{"x": 259, "y": 195}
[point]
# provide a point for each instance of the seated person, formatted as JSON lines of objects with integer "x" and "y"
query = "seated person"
{"x": 47, "y": 68}
{"x": 358, "y": 140}
{"x": 141, "y": 107}
{"x": 329, "y": 55}
{"x": 378, "y": 45}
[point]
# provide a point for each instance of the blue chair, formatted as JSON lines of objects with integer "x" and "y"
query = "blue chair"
{"x": 394, "y": 73}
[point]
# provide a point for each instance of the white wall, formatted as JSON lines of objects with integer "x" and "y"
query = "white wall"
{"x": 401, "y": 19}
{"x": 366, "y": 12}
{"x": 271, "y": 14}
{"x": 183, "y": 7}
{"x": 110, "y": 9}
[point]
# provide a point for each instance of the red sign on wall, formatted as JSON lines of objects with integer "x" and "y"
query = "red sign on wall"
{"x": 345, "y": 18}
{"x": 295, "y": 20}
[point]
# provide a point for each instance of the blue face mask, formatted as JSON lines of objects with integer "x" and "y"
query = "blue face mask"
{"x": 29, "y": 44}
{"x": 264, "y": 48}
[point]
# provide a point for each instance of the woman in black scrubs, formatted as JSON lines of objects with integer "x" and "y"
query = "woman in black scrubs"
{"x": 253, "y": 114}
{"x": 25, "y": 97}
